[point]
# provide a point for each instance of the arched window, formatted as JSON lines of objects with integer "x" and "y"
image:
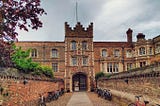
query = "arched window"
{"x": 84, "y": 45}
{"x": 54, "y": 53}
{"x": 116, "y": 53}
{"x": 104, "y": 53}
{"x": 73, "y": 45}
{"x": 34, "y": 53}
{"x": 129, "y": 53}
{"x": 142, "y": 51}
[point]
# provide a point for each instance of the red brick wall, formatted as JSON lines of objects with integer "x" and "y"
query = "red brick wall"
{"x": 18, "y": 93}
{"x": 142, "y": 82}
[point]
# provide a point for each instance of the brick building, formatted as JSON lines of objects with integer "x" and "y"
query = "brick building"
{"x": 78, "y": 57}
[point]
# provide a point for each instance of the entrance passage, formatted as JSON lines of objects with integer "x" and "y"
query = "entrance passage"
{"x": 79, "y": 82}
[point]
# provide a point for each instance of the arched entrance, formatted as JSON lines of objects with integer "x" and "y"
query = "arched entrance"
{"x": 79, "y": 82}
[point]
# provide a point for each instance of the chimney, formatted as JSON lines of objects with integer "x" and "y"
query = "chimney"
{"x": 129, "y": 35}
{"x": 140, "y": 37}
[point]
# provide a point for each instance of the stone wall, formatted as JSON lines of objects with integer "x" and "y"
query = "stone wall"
{"x": 136, "y": 82}
{"x": 19, "y": 91}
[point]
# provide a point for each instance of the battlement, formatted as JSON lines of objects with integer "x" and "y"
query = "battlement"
{"x": 78, "y": 30}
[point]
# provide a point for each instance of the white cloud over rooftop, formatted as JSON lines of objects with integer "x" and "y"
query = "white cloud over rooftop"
{"x": 111, "y": 19}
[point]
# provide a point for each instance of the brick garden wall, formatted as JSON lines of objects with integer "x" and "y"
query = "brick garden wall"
{"x": 16, "y": 93}
{"x": 144, "y": 82}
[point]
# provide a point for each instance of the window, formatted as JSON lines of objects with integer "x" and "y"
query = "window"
{"x": 142, "y": 64}
{"x": 104, "y": 53}
{"x": 54, "y": 53}
{"x": 85, "y": 61}
{"x": 116, "y": 53}
{"x": 112, "y": 67}
{"x": 84, "y": 45}
{"x": 34, "y": 53}
{"x": 150, "y": 50}
{"x": 142, "y": 51}
{"x": 74, "y": 61}
{"x": 73, "y": 45}
{"x": 109, "y": 67}
{"x": 55, "y": 67}
{"x": 103, "y": 69}
{"x": 157, "y": 48}
{"x": 129, "y": 53}
{"x": 129, "y": 66}
{"x": 115, "y": 68}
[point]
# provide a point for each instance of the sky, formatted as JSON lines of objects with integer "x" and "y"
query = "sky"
{"x": 111, "y": 19}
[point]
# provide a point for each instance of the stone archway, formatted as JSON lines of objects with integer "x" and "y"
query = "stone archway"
{"x": 79, "y": 82}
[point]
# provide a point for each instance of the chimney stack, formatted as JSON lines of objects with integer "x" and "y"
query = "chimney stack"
{"x": 129, "y": 35}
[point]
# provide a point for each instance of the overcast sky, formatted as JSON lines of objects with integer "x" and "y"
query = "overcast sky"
{"x": 111, "y": 19}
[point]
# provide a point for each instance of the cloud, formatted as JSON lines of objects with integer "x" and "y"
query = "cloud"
{"x": 111, "y": 19}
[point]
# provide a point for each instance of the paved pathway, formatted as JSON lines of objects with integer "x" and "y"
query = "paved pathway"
{"x": 79, "y": 99}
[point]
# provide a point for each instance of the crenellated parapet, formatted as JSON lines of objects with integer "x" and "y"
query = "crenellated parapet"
{"x": 79, "y": 30}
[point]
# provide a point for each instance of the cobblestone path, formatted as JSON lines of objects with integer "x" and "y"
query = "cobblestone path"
{"x": 62, "y": 101}
{"x": 93, "y": 98}
{"x": 98, "y": 101}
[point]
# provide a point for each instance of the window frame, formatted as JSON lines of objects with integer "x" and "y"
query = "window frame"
{"x": 142, "y": 51}
{"x": 34, "y": 53}
{"x": 116, "y": 53}
{"x": 84, "y": 45}
{"x": 73, "y": 45}
{"x": 86, "y": 61}
{"x": 104, "y": 53}
{"x": 74, "y": 61}
{"x": 55, "y": 67}
{"x": 54, "y": 53}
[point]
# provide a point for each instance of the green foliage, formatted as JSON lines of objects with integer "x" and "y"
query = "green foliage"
{"x": 98, "y": 75}
{"x": 47, "y": 71}
{"x": 23, "y": 62}
{"x": 102, "y": 74}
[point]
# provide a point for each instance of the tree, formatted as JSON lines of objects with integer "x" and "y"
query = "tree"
{"x": 15, "y": 14}
{"x": 20, "y": 14}
{"x": 24, "y": 63}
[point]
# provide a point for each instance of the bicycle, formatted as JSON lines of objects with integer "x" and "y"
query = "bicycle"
{"x": 41, "y": 101}
{"x": 138, "y": 102}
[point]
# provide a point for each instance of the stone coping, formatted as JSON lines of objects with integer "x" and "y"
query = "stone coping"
{"x": 11, "y": 73}
{"x": 148, "y": 71}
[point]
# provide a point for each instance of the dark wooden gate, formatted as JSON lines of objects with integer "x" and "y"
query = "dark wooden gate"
{"x": 79, "y": 82}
